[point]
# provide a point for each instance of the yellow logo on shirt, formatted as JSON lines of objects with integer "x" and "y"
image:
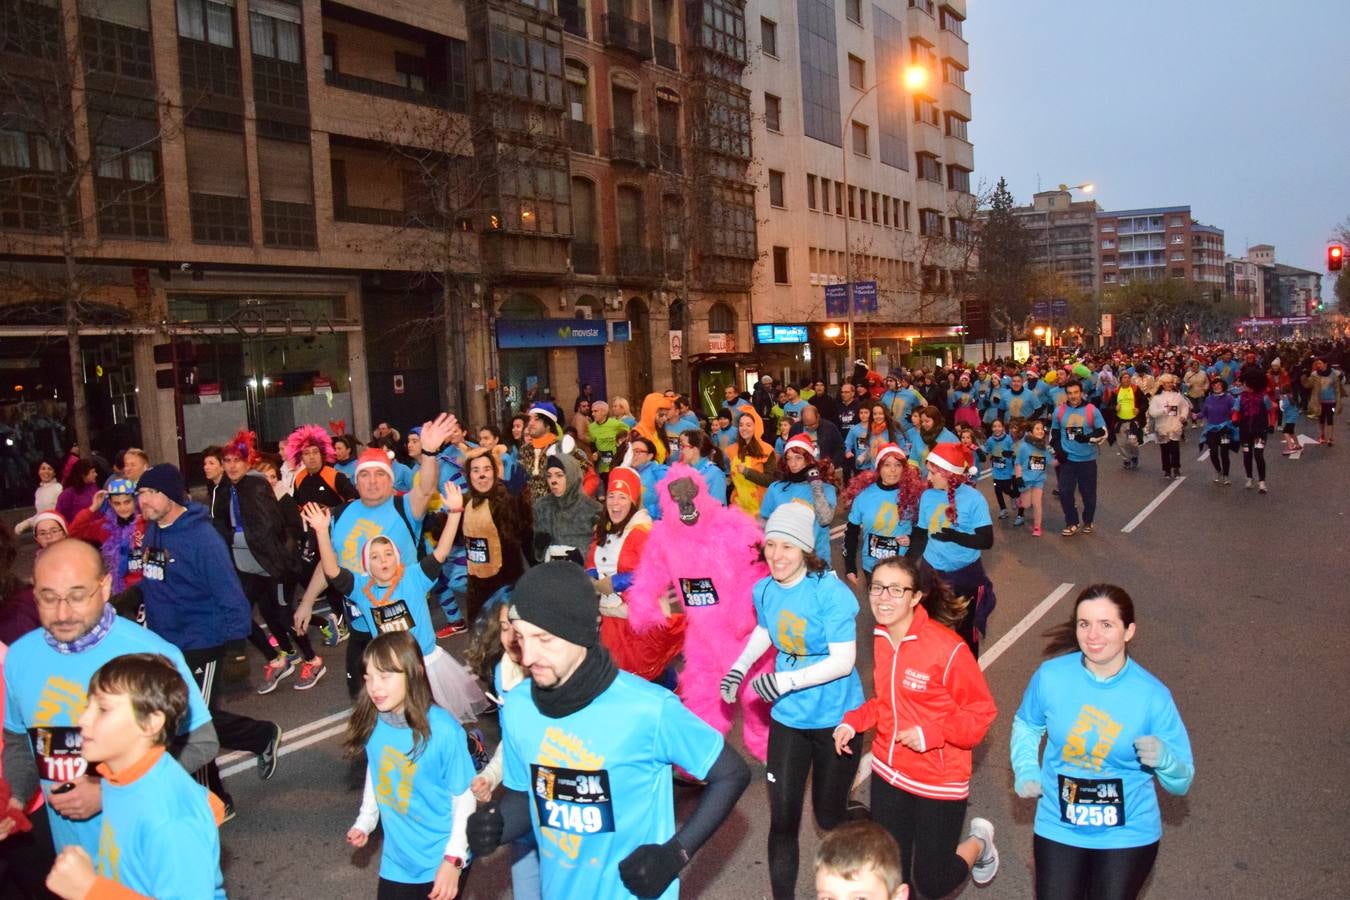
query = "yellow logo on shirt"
{"x": 887, "y": 517}
{"x": 791, "y": 633}
{"x": 394, "y": 784}
{"x": 1091, "y": 739}
{"x": 565, "y": 750}
{"x": 938, "y": 520}
{"x": 362, "y": 531}
{"x": 109, "y": 854}
{"x": 61, "y": 702}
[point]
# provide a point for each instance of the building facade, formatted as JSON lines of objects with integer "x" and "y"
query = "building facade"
{"x": 1156, "y": 244}
{"x": 894, "y": 175}
{"x": 1061, "y": 233}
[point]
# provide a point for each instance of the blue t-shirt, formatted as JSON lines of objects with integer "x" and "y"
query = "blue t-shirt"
{"x": 781, "y": 492}
{"x": 598, "y": 792}
{"x": 1069, "y": 421}
{"x": 358, "y": 524}
{"x": 347, "y": 468}
{"x": 46, "y": 693}
{"x": 403, "y": 476}
{"x": 404, "y": 608}
{"x": 803, "y": 621}
{"x": 1020, "y": 404}
{"x": 651, "y": 475}
{"x": 159, "y": 837}
{"x": 918, "y": 450}
{"x": 1090, "y": 729}
{"x": 875, "y": 511}
{"x": 901, "y": 402}
{"x": 972, "y": 511}
{"x": 793, "y": 409}
{"x": 416, "y": 796}
{"x": 1035, "y": 462}
{"x": 713, "y": 477}
{"x": 1288, "y": 411}
{"x": 1000, "y": 453}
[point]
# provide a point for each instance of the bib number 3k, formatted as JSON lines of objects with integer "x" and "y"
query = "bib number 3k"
{"x": 1091, "y": 803}
{"x": 573, "y": 800}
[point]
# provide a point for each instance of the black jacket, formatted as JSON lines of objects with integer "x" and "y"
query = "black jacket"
{"x": 265, "y": 530}
{"x": 828, "y": 441}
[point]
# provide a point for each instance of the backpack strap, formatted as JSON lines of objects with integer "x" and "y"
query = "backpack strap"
{"x": 412, "y": 532}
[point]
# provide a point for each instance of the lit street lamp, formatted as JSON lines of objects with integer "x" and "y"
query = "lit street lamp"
{"x": 913, "y": 78}
{"x": 1086, "y": 187}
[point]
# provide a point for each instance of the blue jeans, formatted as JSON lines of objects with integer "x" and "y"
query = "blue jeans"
{"x": 1083, "y": 476}
{"x": 525, "y": 869}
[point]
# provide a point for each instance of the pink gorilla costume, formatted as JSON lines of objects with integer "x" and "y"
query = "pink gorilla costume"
{"x": 709, "y": 555}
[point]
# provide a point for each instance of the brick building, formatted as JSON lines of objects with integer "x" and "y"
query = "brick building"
{"x": 1158, "y": 243}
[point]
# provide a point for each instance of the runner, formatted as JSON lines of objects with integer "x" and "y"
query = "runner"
{"x": 804, "y": 478}
{"x": 44, "y": 497}
{"x": 1130, "y": 405}
{"x": 932, "y": 708}
{"x": 1077, "y": 431}
{"x": 999, "y": 447}
{"x": 1032, "y": 461}
{"x": 1253, "y": 422}
{"x": 564, "y": 518}
{"x": 1168, "y": 412}
{"x": 698, "y": 452}
{"x": 1097, "y": 819}
{"x": 496, "y": 531}
{"x": 1326, "y": 389}
{"x": 751, "y": 461}
{"x": 881, "y": 517}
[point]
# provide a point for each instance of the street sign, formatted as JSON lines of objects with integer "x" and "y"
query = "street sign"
{"x": 865, "y": 296}
{"x": 1059, "y": 308}
{"x": 1108, "y": 325}
{"x": 1040, "y": 309}
{"x": 836, "y": 300}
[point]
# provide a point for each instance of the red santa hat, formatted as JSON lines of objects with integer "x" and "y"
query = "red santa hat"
{"x": 51, "y": 515}
{"x": 365, "y": 552}
{"x": 803, "y": 443}
{"x": 953, "y": 458}
{"x": 375, "y": 458}
{"x": 889, "y": 449}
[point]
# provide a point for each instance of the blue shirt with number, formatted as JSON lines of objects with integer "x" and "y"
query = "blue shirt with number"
{"x": 1000, "y": 453}
{"x": 1070, "y": 421}
{"x": 803, "y": 620}
{"x": 781, "y": 492}
{"x": 876, "y": 512}
{"x": 1035, "y": 462}
{"x": 972, "y": 511}
{"x": 598, "y": 792}
{"x": 358, "y": 523}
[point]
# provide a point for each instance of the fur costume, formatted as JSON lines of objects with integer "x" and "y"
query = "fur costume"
{"x": 713, "y": 559}
{"x": 309, "y": 436}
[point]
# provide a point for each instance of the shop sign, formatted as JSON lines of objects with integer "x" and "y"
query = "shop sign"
{"x": 781, "y": 334}
{"x": 208, "y": 392}
{"x": 620, "y": 332}
{"x": 719, "y": 342}
{"x": 515, "y": 334}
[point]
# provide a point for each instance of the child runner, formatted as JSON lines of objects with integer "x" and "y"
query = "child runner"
{"x": 859, "y": 861}
{"x": 1032, "y": 462}
{"x": 418, "y": 773}
{"x": 999, "y": 448}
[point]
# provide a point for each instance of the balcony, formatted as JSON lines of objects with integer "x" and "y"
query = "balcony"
{"x": 585, "y": 258}
{"x": 668, "y": 157}
{"x": 637, "y": 261}
{"x": 209, "y": 70}
{"x": 390, "y": 91}
{"x": 666, "y": 55}
{"x": 580, "y": 136}
{"x": 626, "y": 145}
{"x": 623, "y": 33}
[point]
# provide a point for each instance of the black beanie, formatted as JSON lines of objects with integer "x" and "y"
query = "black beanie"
{"x": 560, "y": 598}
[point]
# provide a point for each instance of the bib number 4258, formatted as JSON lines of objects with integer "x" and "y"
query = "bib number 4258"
{"x": 1088, "y": 814}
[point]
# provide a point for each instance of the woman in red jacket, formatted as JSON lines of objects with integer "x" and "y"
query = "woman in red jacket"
{"x": 932, "y": 707}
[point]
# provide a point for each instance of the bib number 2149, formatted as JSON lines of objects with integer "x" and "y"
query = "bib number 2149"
{"x": 573, "y": 800}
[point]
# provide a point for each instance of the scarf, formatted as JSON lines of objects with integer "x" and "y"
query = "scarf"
{"x": 592, "y": 677}
{"x": 388, "y": 589}
{"x": 90, "y": 638}
{"x": 479, "y": 524}
{"x": 877, "y": 427}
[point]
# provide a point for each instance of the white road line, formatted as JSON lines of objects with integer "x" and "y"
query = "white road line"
{"x": 1154, "y": 504}
{"x": 1204, "y": 455}
{"x": 990, "y": 656}
{"x": 287, "y": 749}
{"x": 297, "y": 732}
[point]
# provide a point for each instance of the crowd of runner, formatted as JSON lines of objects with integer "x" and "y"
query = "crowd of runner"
{"x": 630, "y": 585}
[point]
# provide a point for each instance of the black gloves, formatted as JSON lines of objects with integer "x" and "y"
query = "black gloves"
{"x": 650, "y": 869}
{"x": 1083, "y": 437}
{"x": 484, "y": 830}
{"x": 946, "y": 535}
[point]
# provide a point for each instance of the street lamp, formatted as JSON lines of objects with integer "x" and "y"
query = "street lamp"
{"x": 913, "y": 77}
{"x": 1086, "y": 187}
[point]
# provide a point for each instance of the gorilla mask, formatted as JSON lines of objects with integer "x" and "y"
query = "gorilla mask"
{"x": 683, "y": 491}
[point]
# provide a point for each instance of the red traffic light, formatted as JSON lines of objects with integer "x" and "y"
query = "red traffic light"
{"x": 1335, "y": 258}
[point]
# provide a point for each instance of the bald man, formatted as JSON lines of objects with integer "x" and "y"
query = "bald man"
{"x": 47, "y": 672}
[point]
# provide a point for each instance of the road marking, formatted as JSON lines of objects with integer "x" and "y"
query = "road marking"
{"x": 1154, "y": 504}
{"x": 288, "y": 748}
{"x": 987, "y": 659}
{"x": 1203, "y": 456}
{"x": 295, "y": 733}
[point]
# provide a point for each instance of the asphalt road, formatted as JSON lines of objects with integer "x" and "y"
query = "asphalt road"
{"x": 1240, "y": 601}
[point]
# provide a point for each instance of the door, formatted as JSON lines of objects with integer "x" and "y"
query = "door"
{"x": 591, "y": 370}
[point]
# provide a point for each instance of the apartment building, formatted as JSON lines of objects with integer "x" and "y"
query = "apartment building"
{"x": 278, "y": 211}
{"x": 1061, "y": 233}
{"x": 842, "y": 145}
{"x": 1158, "y": 243}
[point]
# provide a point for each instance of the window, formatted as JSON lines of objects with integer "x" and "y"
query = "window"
{"x": 776, "y": 189}
{"x": 114, "y": 162}
{"x": 721, "y": 319}
{"x": 821, "y": 113}
{"x": 960, "y": 230}
{"x": 838, "y": 199}
{"x": 773, "y": 113}
{"x": 950, "y": 21}
{"x": 925, "y": 110}
{"x": 207, "y": 20}
{"x": 859, "y": 138}
{"x": 1175, "y": 222}
{"x": 768, "y": 37}
{"x": 930, "y": 222}
{"x": 875, "y": 201}
{"x": 853, "y": 9}
{"x": 526, "y": 59}
{"x": 958, "y": 179}
{"x": 780, "y": 265}
{"x": 956, "y": 127}
{"x": 810, "y": 192}
{"x": 1108, "y": 244}
{"x": 924, "y": 5}
{"x": 1178, "y": 239}
{"x": 885, "y": 211}
{"x": 330, "y": 53}
{"x": 1108, "y": 228}
{"x": 726, "y": 117}
{"x": 929, "y": 167}
{"x": 906, "y": 211}
{"x": 274, "y": 29}
{"x": 723, "y": 28}
{"x": 857, "y": 72}
{"x": 26, "y": 151}
{"x": 953, "y": 73}
{"x": 411, "y": 72}
{"x": 852, "y": 195}
{"x": 577, "y": 91}
{"x": 1178, "y": 273}
{"x": 535, "y": 193}
{"x": 732, "y": 214}
{"x": 116, "y": 40}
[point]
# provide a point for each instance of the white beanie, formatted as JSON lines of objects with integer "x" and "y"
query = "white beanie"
{"x": 795, "y": 523}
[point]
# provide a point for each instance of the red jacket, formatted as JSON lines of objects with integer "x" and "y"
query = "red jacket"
{"x": 929, "y": 679}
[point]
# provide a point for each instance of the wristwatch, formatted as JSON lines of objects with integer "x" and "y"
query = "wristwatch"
{"x": 456, "y": 861}
{"x": 426, "y": 452}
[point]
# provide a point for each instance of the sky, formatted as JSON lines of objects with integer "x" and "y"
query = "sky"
{"x": 1238, "y": 108}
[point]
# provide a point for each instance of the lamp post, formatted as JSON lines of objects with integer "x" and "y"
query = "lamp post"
{"x": 914, "y": 77}
{"x": 1086, "y": 187}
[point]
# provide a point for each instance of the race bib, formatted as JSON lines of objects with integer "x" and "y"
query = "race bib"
{"x": 673, "y": 447}
{"x": 1223, "y": 441}
{"x": 1091, "y": 802}
{"x": 1074, "y": 430}
{"x": 1037, "y": 463}
{"x": 156, "y": 560}
{"x": 698, "y": 592}
{"x": 393, "y": 616}
{"x": 477, "y": 548}
{"x": 880, "y": 546}
{"x": 606, "y": 457}
{"x": 56, "y": 749}
{"x": 134, "y": 563}
{"x": 572, "y": 800}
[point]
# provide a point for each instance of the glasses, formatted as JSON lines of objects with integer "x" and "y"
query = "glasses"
{"x": 80, "y": 597}
{"x": 889, "y": 591}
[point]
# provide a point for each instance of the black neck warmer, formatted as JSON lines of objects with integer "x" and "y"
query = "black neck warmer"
{"x": 596, "y": 672}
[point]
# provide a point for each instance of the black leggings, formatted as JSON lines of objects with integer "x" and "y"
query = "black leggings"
{"x": 927, "y": 832}
{"x": 1254, "y": 447}
{"x": 262, "y": 592}
{"x": 1218, "y": 452}
{"x": 1171, "y": 456}
{"x": 356, "y": 648}
{"x": 1004, "y": 487}
{"x": 1074, "y": 873}
{"x": 795, "y": 753}
{"x": 401, "y": 890}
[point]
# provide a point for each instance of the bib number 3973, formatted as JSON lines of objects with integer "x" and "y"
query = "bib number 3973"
{"x": 1091, "y": 803}
{"x": 572, "y": 800}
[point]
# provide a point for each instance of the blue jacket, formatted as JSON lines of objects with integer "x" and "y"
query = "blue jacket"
{"x": 198, "y": 603}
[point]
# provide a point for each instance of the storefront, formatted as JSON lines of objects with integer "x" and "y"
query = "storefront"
{"x": 547, "y": 358}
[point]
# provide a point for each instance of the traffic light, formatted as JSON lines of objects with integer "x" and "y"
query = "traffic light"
{"x": 1335, "y": 257}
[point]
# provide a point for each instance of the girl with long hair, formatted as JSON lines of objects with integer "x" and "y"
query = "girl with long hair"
{"x": 78, "y": 489}
{"x": 418, "y": 773}
{"x": 804, "y": 477}
{"x": 1098, "y": 825}
{"x": 930, "y": 430}
{"x": 751, "y": 460}
{"x": 1032, "y": 460}
{"x": 44, "y": 497}
{"x": 698, "y": 451}
{"x": 931, "y": 710}
{"x": 882, "y": 516}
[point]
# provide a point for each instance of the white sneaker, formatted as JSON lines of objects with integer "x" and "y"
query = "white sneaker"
{"x": 1248, "y": 485}
{"x": 986, "y": 866}
{"x": 1218, "y": 479}
{"x": 1261, "y": 488}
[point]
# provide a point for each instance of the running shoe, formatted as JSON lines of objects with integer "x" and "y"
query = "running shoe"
{"x": 1218, "y": 479}
{"x": 1087, "y": 528}
{"x": 1003, "y": 514}
{"x": 1017, "y": 522}
{"x": 333, "y": 631}
{"x": 276, "y": 670}
{"x": 1248, "y": 485}
{"x": 450, "y": 629}
{"x": 310, "y": 673}
{"x": 1261, "y": 487}
{"x": 986, "y": 865}
{"x": 1035, "y": 532}
{"x": 1070, "y": 531}
{"x": 478, "y": 748}
{"x": 1227, "y": 481}
{"x": 229, "y": 812}
{"x": 267, "y": 760}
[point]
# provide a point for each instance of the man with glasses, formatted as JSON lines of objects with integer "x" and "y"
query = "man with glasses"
{"x": 48, "y": 672}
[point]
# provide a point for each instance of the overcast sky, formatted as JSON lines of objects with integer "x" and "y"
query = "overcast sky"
{"x": 1239, "y": 108}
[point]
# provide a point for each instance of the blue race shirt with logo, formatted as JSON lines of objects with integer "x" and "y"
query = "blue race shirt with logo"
{"x": 781, "y": 492}
{"x": 803, "y": 620}
{"x": 415, "y": 795}
{"x": 876, "y": 513}
{"x": 972, "y": 511}
{"x": 1072, "y": 420}
{"x": 714, "y": 479}
{"x": 358, "y": 524}
{"x": 402, "y": 609}
{"x": 1035, "y": 462}
{"x": 1000, "y": 453}
{"x": 46, "y": 693}
{"x": 1094, "y": 793}
{"x": 598, "y": 792}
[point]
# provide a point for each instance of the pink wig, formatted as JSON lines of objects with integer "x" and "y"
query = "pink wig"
{"x": 308, "y": 436}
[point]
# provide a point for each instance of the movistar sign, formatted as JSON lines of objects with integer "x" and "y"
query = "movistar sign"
{"x": 526, "y": 333}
